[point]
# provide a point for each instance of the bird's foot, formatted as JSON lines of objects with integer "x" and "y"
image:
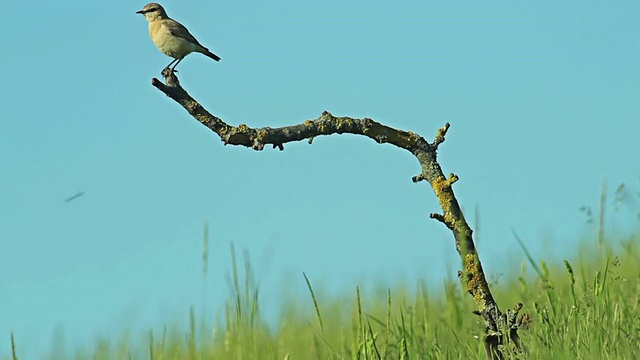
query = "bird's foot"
{"x": 170, "y": 76}
{"x": 168, "y": 71}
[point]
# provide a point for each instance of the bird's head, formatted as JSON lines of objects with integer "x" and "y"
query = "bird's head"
{"x": 152, "y": 12}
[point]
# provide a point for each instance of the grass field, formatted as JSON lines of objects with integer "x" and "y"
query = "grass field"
{"x": 583, "y": 308}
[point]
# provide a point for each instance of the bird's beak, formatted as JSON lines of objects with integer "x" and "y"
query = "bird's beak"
{"x": 140, "y": 12}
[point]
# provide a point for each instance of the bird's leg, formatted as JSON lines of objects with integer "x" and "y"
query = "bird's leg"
{"x": 168, "y": 67}
{"x": 173, "y": 69}
{"x": 169, "y": 73}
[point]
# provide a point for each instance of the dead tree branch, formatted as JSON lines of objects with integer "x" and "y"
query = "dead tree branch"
{"x": 499, "y": 327}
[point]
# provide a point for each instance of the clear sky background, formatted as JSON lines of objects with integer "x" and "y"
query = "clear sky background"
{"x": 543, "y": 98}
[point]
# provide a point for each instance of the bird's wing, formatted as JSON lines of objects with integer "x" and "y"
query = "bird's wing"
{"x": 177, "y": 29}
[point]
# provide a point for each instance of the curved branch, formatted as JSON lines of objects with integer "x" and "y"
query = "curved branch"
{"x": 426, "y": 153}
{"x": 325, "y": 124}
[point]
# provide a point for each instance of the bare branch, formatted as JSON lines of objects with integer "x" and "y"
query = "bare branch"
{"x": 418, "y": 178}
{"x": 472, "y": 274}
{"x": 325, "y": 124}
{"x": 439, "y": 139}
{"x": 442, "y": 219}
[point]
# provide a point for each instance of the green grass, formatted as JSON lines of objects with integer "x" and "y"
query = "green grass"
{"x": 586, "y": 307}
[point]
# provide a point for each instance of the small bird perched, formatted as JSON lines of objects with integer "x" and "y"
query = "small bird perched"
{"x": 171, "y": 37}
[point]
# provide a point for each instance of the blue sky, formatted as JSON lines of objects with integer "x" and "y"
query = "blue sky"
{"x": 542, "y": 98}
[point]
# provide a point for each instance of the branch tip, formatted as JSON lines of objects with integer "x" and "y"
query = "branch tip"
{"x": 441, "y": 134}
{"x": 442, "y": 219}
{"x": 452, "y": 179}
{"x": 437, "y": 217}
{"x": 418, "y": 178}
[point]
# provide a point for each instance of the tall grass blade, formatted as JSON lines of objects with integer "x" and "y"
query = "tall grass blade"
{"x": 315, "y": 302}
{"x": 236, "y": 283}
{"x": 13, "y": 348}
{"x": 601, "y": 216}
{"x": 528, "y": 255}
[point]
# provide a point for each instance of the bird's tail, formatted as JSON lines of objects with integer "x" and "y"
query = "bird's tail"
{"x": 211, "y": 55}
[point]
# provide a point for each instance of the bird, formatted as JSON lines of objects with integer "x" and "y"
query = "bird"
{"x": 171, "y": 37}
{"x": 75, "y": 196}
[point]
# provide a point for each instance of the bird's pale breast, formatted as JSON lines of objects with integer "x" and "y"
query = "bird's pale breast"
{"x": 170, "y": 45}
